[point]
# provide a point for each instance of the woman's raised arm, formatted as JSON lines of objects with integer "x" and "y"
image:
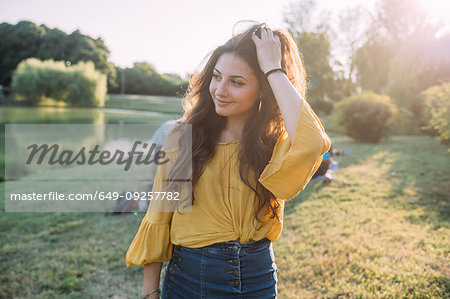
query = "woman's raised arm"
{"x": 268, "y": 49}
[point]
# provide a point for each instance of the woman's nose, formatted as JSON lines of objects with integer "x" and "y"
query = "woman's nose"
{"x": 221, "y": 89}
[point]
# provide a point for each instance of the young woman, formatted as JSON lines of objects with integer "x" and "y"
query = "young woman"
{"x": 256, "y": 142}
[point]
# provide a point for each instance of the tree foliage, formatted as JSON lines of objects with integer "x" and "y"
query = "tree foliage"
{"x": 437, "y": 101}
{"x": 79, "y": 85}
{"x": 311, "y": 35}
{"x": 26, "y": 39}
{"x": 403, "y": 54}
{"x": 143, "y": 78}
{"x": 396, "y": 51}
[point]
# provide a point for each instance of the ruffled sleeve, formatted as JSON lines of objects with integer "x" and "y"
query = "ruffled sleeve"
{"x": 292, "y": 165}
{"x": 152, "y": 241}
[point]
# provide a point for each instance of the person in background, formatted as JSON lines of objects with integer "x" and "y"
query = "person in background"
{"x": 124, "y": 205}
{"x": 158, "y": 139}
{"x": 321, "y": 173}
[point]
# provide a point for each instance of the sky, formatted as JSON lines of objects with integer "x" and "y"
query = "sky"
{"x": 173, "y": 35}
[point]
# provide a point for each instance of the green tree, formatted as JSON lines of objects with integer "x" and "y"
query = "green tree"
{"x": 143, "y": 78}
{"x": 315, "y": 48}
{"x": 54, "y": 45}
{"x": 372, "y": 64}
{"x": 347, "y": 38}
{"x": 26, "y": 39}
{"x": 84, "y": 48}
{"x": 18, "y": 42}
{"x": 311, "y": 33}
{"x": 403, "y": 54}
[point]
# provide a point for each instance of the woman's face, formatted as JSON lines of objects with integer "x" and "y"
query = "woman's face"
{"x": 234, "y": 87}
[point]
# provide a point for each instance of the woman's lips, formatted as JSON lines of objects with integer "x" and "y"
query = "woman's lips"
{"x": 222, "y": 103}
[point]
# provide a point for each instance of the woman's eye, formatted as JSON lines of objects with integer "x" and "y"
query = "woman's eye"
{"x": 216, "y": 77}
{"x": 237, "y": 83}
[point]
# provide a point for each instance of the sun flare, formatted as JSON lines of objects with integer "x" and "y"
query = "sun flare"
{"x": 438, "y": 9}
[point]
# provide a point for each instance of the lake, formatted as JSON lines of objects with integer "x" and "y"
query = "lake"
{"x": 56, "y": 115}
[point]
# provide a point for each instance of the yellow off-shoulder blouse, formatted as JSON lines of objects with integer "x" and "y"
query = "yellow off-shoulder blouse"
{"x": 224, "y": 207}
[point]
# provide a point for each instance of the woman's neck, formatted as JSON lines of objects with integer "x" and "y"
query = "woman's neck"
{"x": 233, "y": 130}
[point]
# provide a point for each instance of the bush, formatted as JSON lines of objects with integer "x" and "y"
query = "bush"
{"x": 323, "y": 105}
{"x": 86, "y": 86}
{"x": 34, "y": 79}
{"x": 78, "y": 85}
{"x": 366, "y": 116}
{"x": 405, "y": 123}
{"x": 437, "y": 103}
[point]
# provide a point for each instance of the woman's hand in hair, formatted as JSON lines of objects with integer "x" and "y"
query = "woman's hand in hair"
{"x": 268, "y": 49}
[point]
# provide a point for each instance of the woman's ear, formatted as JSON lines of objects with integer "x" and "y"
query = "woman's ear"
{"x": 261, "y": 95}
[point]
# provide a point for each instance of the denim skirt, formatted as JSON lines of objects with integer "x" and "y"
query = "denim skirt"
{"x": 222, "y": 270}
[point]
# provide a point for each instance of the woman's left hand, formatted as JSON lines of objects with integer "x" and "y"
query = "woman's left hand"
{"x": 268, "y": 50}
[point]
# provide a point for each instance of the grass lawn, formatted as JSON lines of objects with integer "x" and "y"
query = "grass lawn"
{"x": 380, "y": 230}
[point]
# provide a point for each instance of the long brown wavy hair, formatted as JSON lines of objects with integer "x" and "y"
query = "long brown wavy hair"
{"x": 261, "y": 130}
